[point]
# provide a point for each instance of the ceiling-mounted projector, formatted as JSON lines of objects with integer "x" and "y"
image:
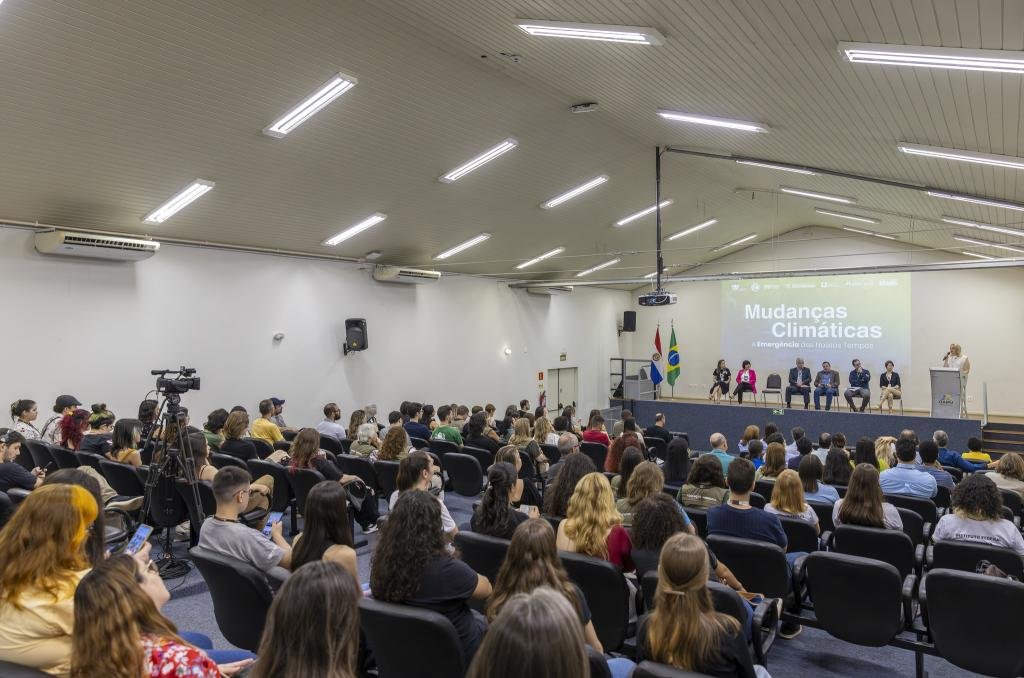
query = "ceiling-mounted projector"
{"x": 659, "y": 298}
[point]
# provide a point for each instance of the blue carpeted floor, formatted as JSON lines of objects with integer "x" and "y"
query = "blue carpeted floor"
{"x": 812, "y": 653}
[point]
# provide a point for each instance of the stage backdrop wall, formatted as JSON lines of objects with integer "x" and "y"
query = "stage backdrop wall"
{"x": 95, "y": 329}
{"x": 978, "y": 309}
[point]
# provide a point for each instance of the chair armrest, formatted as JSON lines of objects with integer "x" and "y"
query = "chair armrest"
{"x": 798, "y": 583}
{"x": 825, "y": 540}
{"x": 929, "y": 556}
{"x": 909, "y": 586}
{"x": 276, "y": 577}
{"x": 919, "y": 558}
{"x": 922, "y": 600}
{"x": 17, "y": 494}
{"x": 927, "y": 532}
{"x": 766, "y": 628}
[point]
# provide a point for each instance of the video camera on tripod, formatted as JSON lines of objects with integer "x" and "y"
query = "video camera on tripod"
{"x": 183, "y": 381}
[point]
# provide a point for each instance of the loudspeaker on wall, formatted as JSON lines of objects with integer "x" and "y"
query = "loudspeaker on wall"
{"x": 629, "y": 321}
{"x": 355, "y": 335}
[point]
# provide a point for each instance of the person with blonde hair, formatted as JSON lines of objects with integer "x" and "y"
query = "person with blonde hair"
{"x": 885, "y": 452}
{"x": 684, "y": 630}
{"x": 1009, "y": 473}
{"x": 522, "y": 439}
{"x": 646, "y": 480}
{"x": 593, "y": 526}
{"x": 788, "y": 499}
{"x": 956, "y": 359}
{"x": 544, "y": 432}
{"x": 43, "y": 557}
{"x": 774, "y": 463}
{"x": 234, "y": 433}
{"x": 395, "y": 446}
{"x": 357, "y": 419}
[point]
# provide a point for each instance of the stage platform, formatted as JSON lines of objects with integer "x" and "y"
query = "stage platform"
{"x": 699, "y": 421}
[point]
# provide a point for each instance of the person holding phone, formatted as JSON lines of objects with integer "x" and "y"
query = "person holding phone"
{"x": 13, "y": 474}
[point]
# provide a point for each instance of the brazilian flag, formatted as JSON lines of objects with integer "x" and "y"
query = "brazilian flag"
{"x": 673, "y": 360}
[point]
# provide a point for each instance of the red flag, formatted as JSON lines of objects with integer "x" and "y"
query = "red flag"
{"x": 657, "y": 340}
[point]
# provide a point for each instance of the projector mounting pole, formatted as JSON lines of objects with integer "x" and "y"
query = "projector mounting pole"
{"x": 657, "y": 212}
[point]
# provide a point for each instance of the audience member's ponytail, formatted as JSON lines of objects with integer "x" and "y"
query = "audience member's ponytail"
{"x": 19, "y": 407}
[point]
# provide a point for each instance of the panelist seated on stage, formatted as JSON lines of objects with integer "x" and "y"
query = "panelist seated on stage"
{"x": 889, "y": 383}
{"x": 860, "y": 386}
{"x": 826, "y": 383}
{"x": 799, "y": 383}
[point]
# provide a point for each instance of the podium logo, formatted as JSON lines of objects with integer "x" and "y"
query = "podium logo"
{"x": 946, "y": 399}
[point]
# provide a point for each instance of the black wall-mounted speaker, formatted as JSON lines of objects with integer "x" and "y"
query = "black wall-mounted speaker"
{"x": 629, "y": 321}
{"x": 355, "y": 335}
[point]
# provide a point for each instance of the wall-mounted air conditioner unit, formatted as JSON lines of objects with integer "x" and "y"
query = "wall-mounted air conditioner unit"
{"x": 89, "y": 246}
{"x": 406, "y": 276}
{"x": 550, "y": 291}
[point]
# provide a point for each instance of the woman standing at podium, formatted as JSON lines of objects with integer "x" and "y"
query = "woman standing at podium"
{"x": 957, "y": 360}
{"x": 720, "y": 383}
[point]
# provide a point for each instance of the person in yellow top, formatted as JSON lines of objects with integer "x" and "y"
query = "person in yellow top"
{"x": 263, "y": 428}
{"x": 975, "y": 453}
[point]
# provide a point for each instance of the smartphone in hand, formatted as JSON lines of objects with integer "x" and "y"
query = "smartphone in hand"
{"x": 138, "y": 539}
{"x": 274, "y": 517}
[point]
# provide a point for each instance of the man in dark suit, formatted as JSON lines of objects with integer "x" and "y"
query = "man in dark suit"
{"x": 799, "y": 382}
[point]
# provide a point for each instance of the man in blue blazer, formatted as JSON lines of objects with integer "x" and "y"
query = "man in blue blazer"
{"x": 799, "y": 382}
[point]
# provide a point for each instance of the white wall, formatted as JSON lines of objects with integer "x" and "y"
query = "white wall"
{"x": 95, "y": 329}
{"x": 979, "y": 309}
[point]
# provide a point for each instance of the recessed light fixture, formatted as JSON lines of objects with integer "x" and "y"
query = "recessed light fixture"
{"x": 606, "y": 264}
{"x": 642, "y": 213}
{"x": 739, "y": 241}
{"x": 542, "y": 257}
{"x": 988, "y": 243}
{"x": 817, "y": 196}
{"x": 844, "y": 215}
{"x": 977, "y": 256}
{"x": 977, "y": 201}
{"x": 372, "y": 255}
{"x": 963, "y": 156}
{"x": 178, "y": 201}
{"x": 742, "y": 125}
{"x": 770, "y": 165}
{"x": 634, "y": 35}
{"x": 356, "y": 229}
{"x": 871, "y": 233}
{"x": 955, "y": 58}
{"x": 692, "y": 229}
{"x": 984, "y": 227}
{"x": 570, "y": 194}
{"x": 479, "y": 161}
{"x": 475, "y": 240}
{"x": 323, "y": 95}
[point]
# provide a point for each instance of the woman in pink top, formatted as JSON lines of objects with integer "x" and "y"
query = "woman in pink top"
{"x": 593, "y": 526}
{"x": 746, "y": 380}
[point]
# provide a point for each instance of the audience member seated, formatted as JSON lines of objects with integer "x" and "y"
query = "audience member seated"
{"x": 445, "y": 430}
{"x": 774, "y": 463}
{"x": 804, "y": 447}
{"x": 824, "y": 445}
{"x": 1009, "y": 473}
{"x": 737, "y": 518}
{"x": 476, "y": 437}
{"x": 329, "y": 425}
{"x": 975, "y": 454}
{"x": 631, "y": 458}
{"x": 788, "y": 499}
{"x": 572, "y": 468}
{"x": 564, "y": 425}
{"x": 595, "y": 432}
{"x": 42, "y": 559}
{"x": 677, "y": 461}
{"x": 326, "y": 534}
{"x": 261, "y": 489}
{"x": 13, "y": 474}
{"x": 811, "y": 473}
{"x": 684, "y": 630}
{"x": 751, "y": 432}
{"x": 567, "y": 444}
{"x": 395, "y": 446}
{"x": 124, "y": 447}
{"x": 885, "y": 452}
{"x": 864, "y": 453}
{"x": 119, "y": 630}
{"x": 544, "y": 432}
{"x": 755, "y": 453}
{"x": 977, "y": 517}
{"x": 928, "y": 451}
{"x": 720, "y": 450}
{"x": 524, "y": 492}
{"x": 355, "y": 420}
{"x": 306, "y": 453}
{"x": 948, "y": 457}
{"x": 278, "y": 416}
{"x": 234, "y": 430}
{"x": 312, "y": 627}
{"x": 413, "y": 426}
{"x": 96, "y": 438}
{"x": 645, "y": 481}
{"x": 797, "y": 432}
{"x": 837, "y": 467}
{"x": 95, "y": 484}
{"x": 213, "y": 428}
{"x": 655, "y": 519}
{"x": 417, "y": 472}
{"x": 593, "y": 526}
{"x": 613, "y": 459}
{"x": 223, "y": 533}
{"x": 617, "y": 426}
{"x": 50, "y": 430}
{"x": 72, "y": 428}
{"x": 366, "y": 442}
{"x": 264, "y": 427}
{"x": 532, "y": 562}
{"x": 705, "y": 487}
{"x": 658, "y": 430}
{"x": 494, "y": 515}
{"x": 23, "y": 413}
{"x": 863, "y": 504}
{"x": 905, "y": 478}
{"x": 524, "y": 441}
{"x": 148, "y": 411}
{"x": 411, "y": 565}
{"x": 629, "y": 426}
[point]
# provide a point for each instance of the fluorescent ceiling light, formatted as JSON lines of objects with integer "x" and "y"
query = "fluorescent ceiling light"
{"x": 987, "y": 243}
{"x": 963, "y": 156}
{"x": 978, "y": 256}
{"x": 325, "y": 94}
{"x": 542, "y": 257}
{"x": 366, "y": 223}
{"x": 179, "y": 201}
{"x": 714, "y": 122}
{"x": 569, "y": 195}
{"x": 692, "y": 229}
{"x": 480, "y": 160}
{"x": 844, "y": 215}
{"x": 872, "y": 233}
{"x": 955, "y": 58}
{"x": 740, "y": 241}
{"x": 977, "y": 201}
{"x": 642, "y": 213}
{"x": 606, "y": 264}
{"x": 984, "y": 227}
{"x": 769, "y": 165}
{"x": 817, "y": 196}
{"x": 475, "y": 240}
{"x": 635, "y": 35}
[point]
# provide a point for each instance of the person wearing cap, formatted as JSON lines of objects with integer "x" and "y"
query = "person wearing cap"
{"x": 277, "y": 417}
{"x": 64, "y": 406}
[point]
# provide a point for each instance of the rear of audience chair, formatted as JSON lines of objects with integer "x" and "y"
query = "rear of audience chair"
{"x": 761, "y": 566}
{"x": 354, "y": 465}
{"x": 289, "y": 435}
{"x": 483, "y": 553}
{"x": 656, "y": 446}
{"x": 598, "y": 664}
{"x": 915, "y": 527}
{"x": 596, "y": 451}
{"x": 888, "y": 546}
{"x": 283, "y": 498}
{"x": 410, "y": 642}
{"x": 90, "y": 459}
{"x": 824, "y": 513}
{"x": 64, "y": 457}
{"x": 331, "y": 444}
{"x": 219, "y": 461}
{"x": 263, "y": 448}
{"x": 607, "y": 594}
{"x": 551, "y": 452}
{"x": 925, "y": 508}
{"x": 649, "y": 669}
{"x": 40, "y": 454}
{"x": 441, "y": 447}
{"x": 757, "y": 500}
{"x": 387, "y": 476}
{"x": 123, "y": 478}
{"x": 419, "y": 443}
{"x": 12, "y": 670}
{"x": 965, "y": 556}
{"x": 1012, "y": 501}
{"x": 465, "y": 473}
{"x": 764, "y": 487}
{"x": 800, "y": 535}
{"x": 241, "y": 596}
{"x": 699, "y": 518}
{"x": 302, "y": 481}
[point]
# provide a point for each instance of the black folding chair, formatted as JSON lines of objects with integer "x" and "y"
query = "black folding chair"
{"x": 888, "y": 546}
{"x": 764, "y": 488}
{"x": 263, "y": 448}
{"x": 800, "y": 535}
{"x": 551, "y": 452}
{"x": 241, "y": 596}
{"x": 387, "y": 476}
{"x": 410, "y": 642}
{"x": 596, "y": 451}
{"x": 965, "y": 556}
{"x": 607, "y": 595}
{"x": 331, "y": 444}
{"x": 656, "y": 447}
{"x": 302, "y": 481}
{"x": 283, "y": 498}
{"x": 40, "y": 454}
{"x": 64, "y": 457}
{"x": 649, "y": 669}
{"x": 441, "y": 447}
{"x": 221, "y": 460}
{"x": 481, "y": 552}
{"x": 123, "y": 478}
{"x": 419, "y": 443}
{"x": 466, "y": 476}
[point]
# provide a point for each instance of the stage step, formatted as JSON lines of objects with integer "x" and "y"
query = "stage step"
{"x": 999, "y": 437}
